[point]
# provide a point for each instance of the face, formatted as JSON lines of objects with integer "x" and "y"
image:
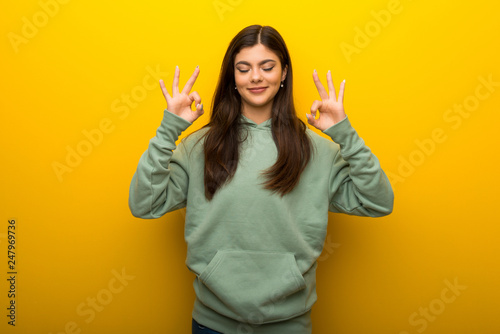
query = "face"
{"x": 258, "y": 76}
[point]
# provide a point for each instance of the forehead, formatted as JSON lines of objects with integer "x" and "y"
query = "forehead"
{"x": 255, "y": 54}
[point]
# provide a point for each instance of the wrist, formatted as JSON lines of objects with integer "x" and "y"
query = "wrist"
{"x": 339, "y": 118}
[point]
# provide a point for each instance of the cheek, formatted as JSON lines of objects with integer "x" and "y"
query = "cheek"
{"x": 240, "y": 80}
{"x": 275, "y": 78}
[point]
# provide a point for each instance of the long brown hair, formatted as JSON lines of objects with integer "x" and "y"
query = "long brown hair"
{"x": 223, "y": 137}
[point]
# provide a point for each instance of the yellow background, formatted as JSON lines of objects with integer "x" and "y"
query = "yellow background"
{"x": 73, "y": 72}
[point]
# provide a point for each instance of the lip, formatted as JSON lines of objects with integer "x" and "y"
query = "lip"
{"x": 257, "y": 90}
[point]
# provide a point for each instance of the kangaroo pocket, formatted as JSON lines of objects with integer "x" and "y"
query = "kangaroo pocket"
{"x": 253, "y": 286}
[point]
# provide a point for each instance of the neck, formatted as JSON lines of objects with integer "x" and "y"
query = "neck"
{"x": 257, "y": 114}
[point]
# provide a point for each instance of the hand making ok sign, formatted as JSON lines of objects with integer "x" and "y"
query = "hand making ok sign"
{"x": 331, "y": 109}
{"x": 180, "y": 102}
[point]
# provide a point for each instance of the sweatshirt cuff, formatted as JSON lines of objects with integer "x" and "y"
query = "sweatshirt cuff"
{"x": 344, "y": 134}
{"x": 172, "y": 126}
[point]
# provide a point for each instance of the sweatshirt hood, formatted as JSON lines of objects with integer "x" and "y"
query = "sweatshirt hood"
{"x": 248, "y": 123}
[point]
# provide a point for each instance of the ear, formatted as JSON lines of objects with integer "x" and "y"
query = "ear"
{"x": 283, "y": 75}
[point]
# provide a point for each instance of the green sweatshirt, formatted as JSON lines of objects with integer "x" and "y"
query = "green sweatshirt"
{"x": 254, "y": 253}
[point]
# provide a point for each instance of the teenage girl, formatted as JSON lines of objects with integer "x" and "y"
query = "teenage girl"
{"x": 257, "y": 185}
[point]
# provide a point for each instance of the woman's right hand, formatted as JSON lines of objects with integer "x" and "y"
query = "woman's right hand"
{"x": 180, "y": 102}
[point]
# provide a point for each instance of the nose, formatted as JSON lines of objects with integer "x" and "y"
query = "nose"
{"x": 256, "y": 76}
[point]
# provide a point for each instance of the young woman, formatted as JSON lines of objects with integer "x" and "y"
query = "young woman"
{"x": 257, "y": 185}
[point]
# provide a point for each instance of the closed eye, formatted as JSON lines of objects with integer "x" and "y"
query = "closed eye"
{"x": 265, "y": 69}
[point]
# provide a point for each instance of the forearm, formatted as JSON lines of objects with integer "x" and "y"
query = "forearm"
{"x": 160, "y": 181}
{"x": 359, "y": 185}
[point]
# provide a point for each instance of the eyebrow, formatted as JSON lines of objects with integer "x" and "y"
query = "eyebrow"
{"x": 260, "y": 63}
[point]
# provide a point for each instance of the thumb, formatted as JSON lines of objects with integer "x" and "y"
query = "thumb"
{"x": 311, "y": 119}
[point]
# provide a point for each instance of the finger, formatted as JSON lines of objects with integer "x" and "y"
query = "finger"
{"x": 315, "y": 106}
{"x": 196, "y": 97}
{"x": 175, "y": 84}
{"x": 331, "y": 87}
{"x": 164, "y": 91}
{"x": 341, "y": 91}
{"x": 311, "y": 119}
{"x": 189, "y": 84}
{"x": 199, "y": 109}
{"x": 321, "y": 90}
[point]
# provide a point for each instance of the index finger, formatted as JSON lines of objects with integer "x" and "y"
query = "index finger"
{"x": 321, "y": 90}
{"x": 189, "y": 84}
{"x": 164, "y": 91}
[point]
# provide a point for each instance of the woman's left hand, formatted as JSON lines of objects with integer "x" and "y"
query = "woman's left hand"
{"x": 331, "y": 109}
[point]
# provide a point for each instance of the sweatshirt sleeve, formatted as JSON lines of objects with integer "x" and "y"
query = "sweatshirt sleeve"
{"x": 160, "y": 182}
{"x": 357, "y": 184}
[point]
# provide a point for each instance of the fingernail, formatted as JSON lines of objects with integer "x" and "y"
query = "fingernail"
{"x": 343, "y": 81}
{"x": 314, "y": 70}
{"x": 202, "y": 106}
{"x": 197, "y": 66}
{"x": 328, "y": 71}
{"x": 176, "y": 66}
